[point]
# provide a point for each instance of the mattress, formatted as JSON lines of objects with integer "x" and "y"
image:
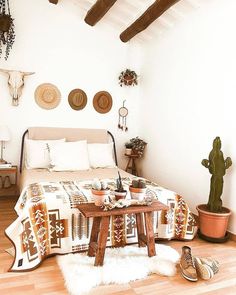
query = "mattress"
{"x": 30, "y": 176}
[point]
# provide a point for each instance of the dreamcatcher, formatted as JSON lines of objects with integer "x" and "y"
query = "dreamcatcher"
{"x": 123, "y": 113}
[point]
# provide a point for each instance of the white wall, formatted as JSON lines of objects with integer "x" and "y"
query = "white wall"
{"x": 188, "y": 98}
{"x": 55, "y": 42}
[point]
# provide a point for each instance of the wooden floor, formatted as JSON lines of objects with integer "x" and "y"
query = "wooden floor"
{"x": 47, "y": 279}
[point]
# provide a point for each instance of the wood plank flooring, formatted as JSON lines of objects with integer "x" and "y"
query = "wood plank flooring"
{"x": 47, "y": 279}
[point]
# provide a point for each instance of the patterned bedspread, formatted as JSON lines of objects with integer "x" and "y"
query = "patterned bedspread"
{"x": 49, "y": 223}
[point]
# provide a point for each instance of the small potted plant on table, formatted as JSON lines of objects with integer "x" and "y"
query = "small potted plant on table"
{"x": 138, "y": 189}
{"x": 128, "y": 148}
{"x": 138, "y": 146}
{"x": 100, "y": 191}
{"x": 120, "y": 192}
{"x": 213, "y": 217}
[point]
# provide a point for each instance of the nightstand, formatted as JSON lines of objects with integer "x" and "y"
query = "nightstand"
{"x": 131, "y": 164}
{"x": 12, "y": 187}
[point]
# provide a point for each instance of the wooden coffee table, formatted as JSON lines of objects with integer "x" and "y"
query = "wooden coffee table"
{"x": 101, "y": 222}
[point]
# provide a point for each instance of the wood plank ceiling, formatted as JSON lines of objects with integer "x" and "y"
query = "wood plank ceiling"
{"x": 149, "y": 11}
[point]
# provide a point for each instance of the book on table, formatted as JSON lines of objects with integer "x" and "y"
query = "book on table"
{"x": 6, "y": 165}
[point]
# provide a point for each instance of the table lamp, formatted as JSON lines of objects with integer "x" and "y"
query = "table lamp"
{"x": 4, "y": 136}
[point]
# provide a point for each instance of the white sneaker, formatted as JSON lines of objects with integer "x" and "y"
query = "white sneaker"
{"x": 204, "y": 271}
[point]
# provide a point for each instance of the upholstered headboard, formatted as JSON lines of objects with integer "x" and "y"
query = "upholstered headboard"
{"x": 70, "y": 134}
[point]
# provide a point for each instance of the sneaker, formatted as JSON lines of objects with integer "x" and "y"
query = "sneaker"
{"x": 214, "y": 264}
{"x": 187, "y": 265}
{"x": 204, "y": 271}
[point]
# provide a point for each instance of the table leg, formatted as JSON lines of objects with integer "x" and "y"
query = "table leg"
{"x": 102, "y": 240}
{"x": 127, "y": 167}
{"x": 149, "y": 234}
{"x": 134, "y": 170}
{"x": 140, "y": 229}
{"x": 94, "y": 236}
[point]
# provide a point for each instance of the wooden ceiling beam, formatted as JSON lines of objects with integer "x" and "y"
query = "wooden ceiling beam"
{"x": 53, "y": 1}
{"x": 149, "y": 16}
{"x": 98, "y": 10}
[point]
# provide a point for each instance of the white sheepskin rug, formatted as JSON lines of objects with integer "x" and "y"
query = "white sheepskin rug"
{"x": 121, "y": 265}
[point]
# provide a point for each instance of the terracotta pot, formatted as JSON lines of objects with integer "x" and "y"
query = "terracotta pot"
{"x": 5, "y": 22}
{"x": 128, "y": 151}
{"x": 128, "y": 79}
{"x": 213, "y": 225}
{"x": 137, "y": 193}
{"x": 120, "y": 195}
{"x": 100, "y": 196}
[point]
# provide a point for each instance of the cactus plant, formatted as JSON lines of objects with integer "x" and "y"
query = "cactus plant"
{"x": 119, "y": 185}
{"x": 100, "y": 191}
{"x": 99, "y": 184}
{"x": 217, "y": 166}
{"x": 120, "y": 192}
{"x": 138, "y": 183}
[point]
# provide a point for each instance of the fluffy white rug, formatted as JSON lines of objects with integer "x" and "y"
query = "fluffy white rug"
{"x": 121, "y": 265}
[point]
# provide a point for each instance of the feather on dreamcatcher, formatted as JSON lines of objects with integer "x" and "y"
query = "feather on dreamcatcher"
{"x": 123, "y": 113}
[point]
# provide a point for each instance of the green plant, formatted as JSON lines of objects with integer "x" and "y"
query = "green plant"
{"x": 119, "y": 185}
{"x": 128, "y": 78}
{"x": 129, "y": 145}
{"x": 7, "y": 33}
{"x": 99, "y": 185}
{"x": 138, "y": 183}
{"x": 138, "y": 145}
{"x": 217, "y": 166}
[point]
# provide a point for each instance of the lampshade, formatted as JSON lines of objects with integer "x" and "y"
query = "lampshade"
{"x": 4, "y": 133}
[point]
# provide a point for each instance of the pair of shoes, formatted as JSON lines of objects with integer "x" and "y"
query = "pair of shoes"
{"x": 187, "y": 265}
{"x": 206, "y": 267}
{"x": 194, "y": 267}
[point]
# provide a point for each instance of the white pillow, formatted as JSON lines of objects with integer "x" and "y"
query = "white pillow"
{"x": 70, "y": 156}
{"x": 101, "y": 155}
{"x": 37, "y": 154}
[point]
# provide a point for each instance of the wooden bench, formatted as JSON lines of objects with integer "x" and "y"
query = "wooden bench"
{"x": 101, "y": 222}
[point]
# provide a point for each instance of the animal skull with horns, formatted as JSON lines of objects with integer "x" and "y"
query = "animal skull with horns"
{"x": 16, "y": 83}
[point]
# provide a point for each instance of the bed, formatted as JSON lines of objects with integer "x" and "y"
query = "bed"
{"x": 48, "y": 221}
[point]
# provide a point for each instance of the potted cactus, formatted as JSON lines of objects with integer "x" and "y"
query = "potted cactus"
{"x": 213, "y": 217}
{"x": 138, "y": 189}
{"x": 120, "y": 192}
{"x": 100, "y": 191}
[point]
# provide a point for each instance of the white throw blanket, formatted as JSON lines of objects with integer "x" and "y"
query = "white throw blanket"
{"x": 49, "y": 223}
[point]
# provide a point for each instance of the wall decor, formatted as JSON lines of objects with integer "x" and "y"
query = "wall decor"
{"x": 77, "y": 99}
{"x": 7, "y": 33}
{"x": 128, "y": 78}
{"x": 15, "y": 83}
{"x": 47, "y": 96}
{"x": 123, "y": 113}
{"x": 102, "y": 102}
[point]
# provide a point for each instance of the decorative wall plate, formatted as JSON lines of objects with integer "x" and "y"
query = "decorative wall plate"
{"x": 102, "y": 102}
{"x": 47, "y": 96}
{"x": 77, "y": 99}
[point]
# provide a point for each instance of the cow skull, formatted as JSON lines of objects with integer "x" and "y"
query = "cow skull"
{"x": 16, "y": 83}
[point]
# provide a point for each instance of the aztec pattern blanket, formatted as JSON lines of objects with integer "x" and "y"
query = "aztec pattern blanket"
{"x": 49, "y": 223}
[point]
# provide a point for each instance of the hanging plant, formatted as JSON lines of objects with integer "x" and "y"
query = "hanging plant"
{"x": 128, "y": 78}
{"x": 7, "y": 34}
